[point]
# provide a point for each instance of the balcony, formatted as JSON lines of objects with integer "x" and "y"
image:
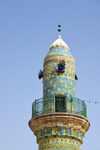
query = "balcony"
{"x": 58, "y": 104}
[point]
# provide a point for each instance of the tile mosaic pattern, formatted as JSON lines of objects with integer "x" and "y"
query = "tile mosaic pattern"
{"x": 59, "y": 143}
{"x": 55, "y": 131}
{"x": 52, "y": 138}
{"x": 58, "y": 83}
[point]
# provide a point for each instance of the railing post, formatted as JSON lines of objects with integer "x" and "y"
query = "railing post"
{"x": 35, "y": 107}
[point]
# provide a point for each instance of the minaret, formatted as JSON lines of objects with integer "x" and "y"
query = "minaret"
{"x": 59, "y": 119}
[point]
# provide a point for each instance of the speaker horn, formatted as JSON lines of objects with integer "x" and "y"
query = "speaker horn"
{"x": 76, "y": 78}
{"x": 60, "y": 68}
{"x": 40, "y": 75}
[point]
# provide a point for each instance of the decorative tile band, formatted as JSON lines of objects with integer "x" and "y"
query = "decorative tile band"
{"x": 60, "y": 143}
{"x": 58, "y": 147}
{"x": 59, "y": 52}
{"x": 55, "y": 131}
{"x": 59, "y": 57}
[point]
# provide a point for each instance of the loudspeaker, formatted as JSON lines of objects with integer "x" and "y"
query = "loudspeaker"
{"x": 76, "y": 78}
{"x": 60, "y": 68}
{"x": 40, "y": 74}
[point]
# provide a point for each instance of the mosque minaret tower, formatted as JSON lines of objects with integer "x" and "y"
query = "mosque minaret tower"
{"x": 59, "y": 119}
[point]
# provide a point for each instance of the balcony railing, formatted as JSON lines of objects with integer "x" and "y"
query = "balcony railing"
{"x": 58, "y": 104}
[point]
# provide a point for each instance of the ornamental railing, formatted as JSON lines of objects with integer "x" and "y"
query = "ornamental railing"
{"x": 58, "y": 104}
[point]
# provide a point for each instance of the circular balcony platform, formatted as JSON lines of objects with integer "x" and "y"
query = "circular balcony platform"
{"x": 57, "y": 104}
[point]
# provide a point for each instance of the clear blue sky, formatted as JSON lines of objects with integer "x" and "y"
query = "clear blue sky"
{"x": 27, "y": 28}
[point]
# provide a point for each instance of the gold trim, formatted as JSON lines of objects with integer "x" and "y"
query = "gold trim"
{"x": 59, "y": 58}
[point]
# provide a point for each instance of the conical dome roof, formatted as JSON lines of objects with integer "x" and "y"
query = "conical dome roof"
{"x": 59, "y": 43}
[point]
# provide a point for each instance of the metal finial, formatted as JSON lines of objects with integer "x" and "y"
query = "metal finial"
{"x": 59, "y": 28}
